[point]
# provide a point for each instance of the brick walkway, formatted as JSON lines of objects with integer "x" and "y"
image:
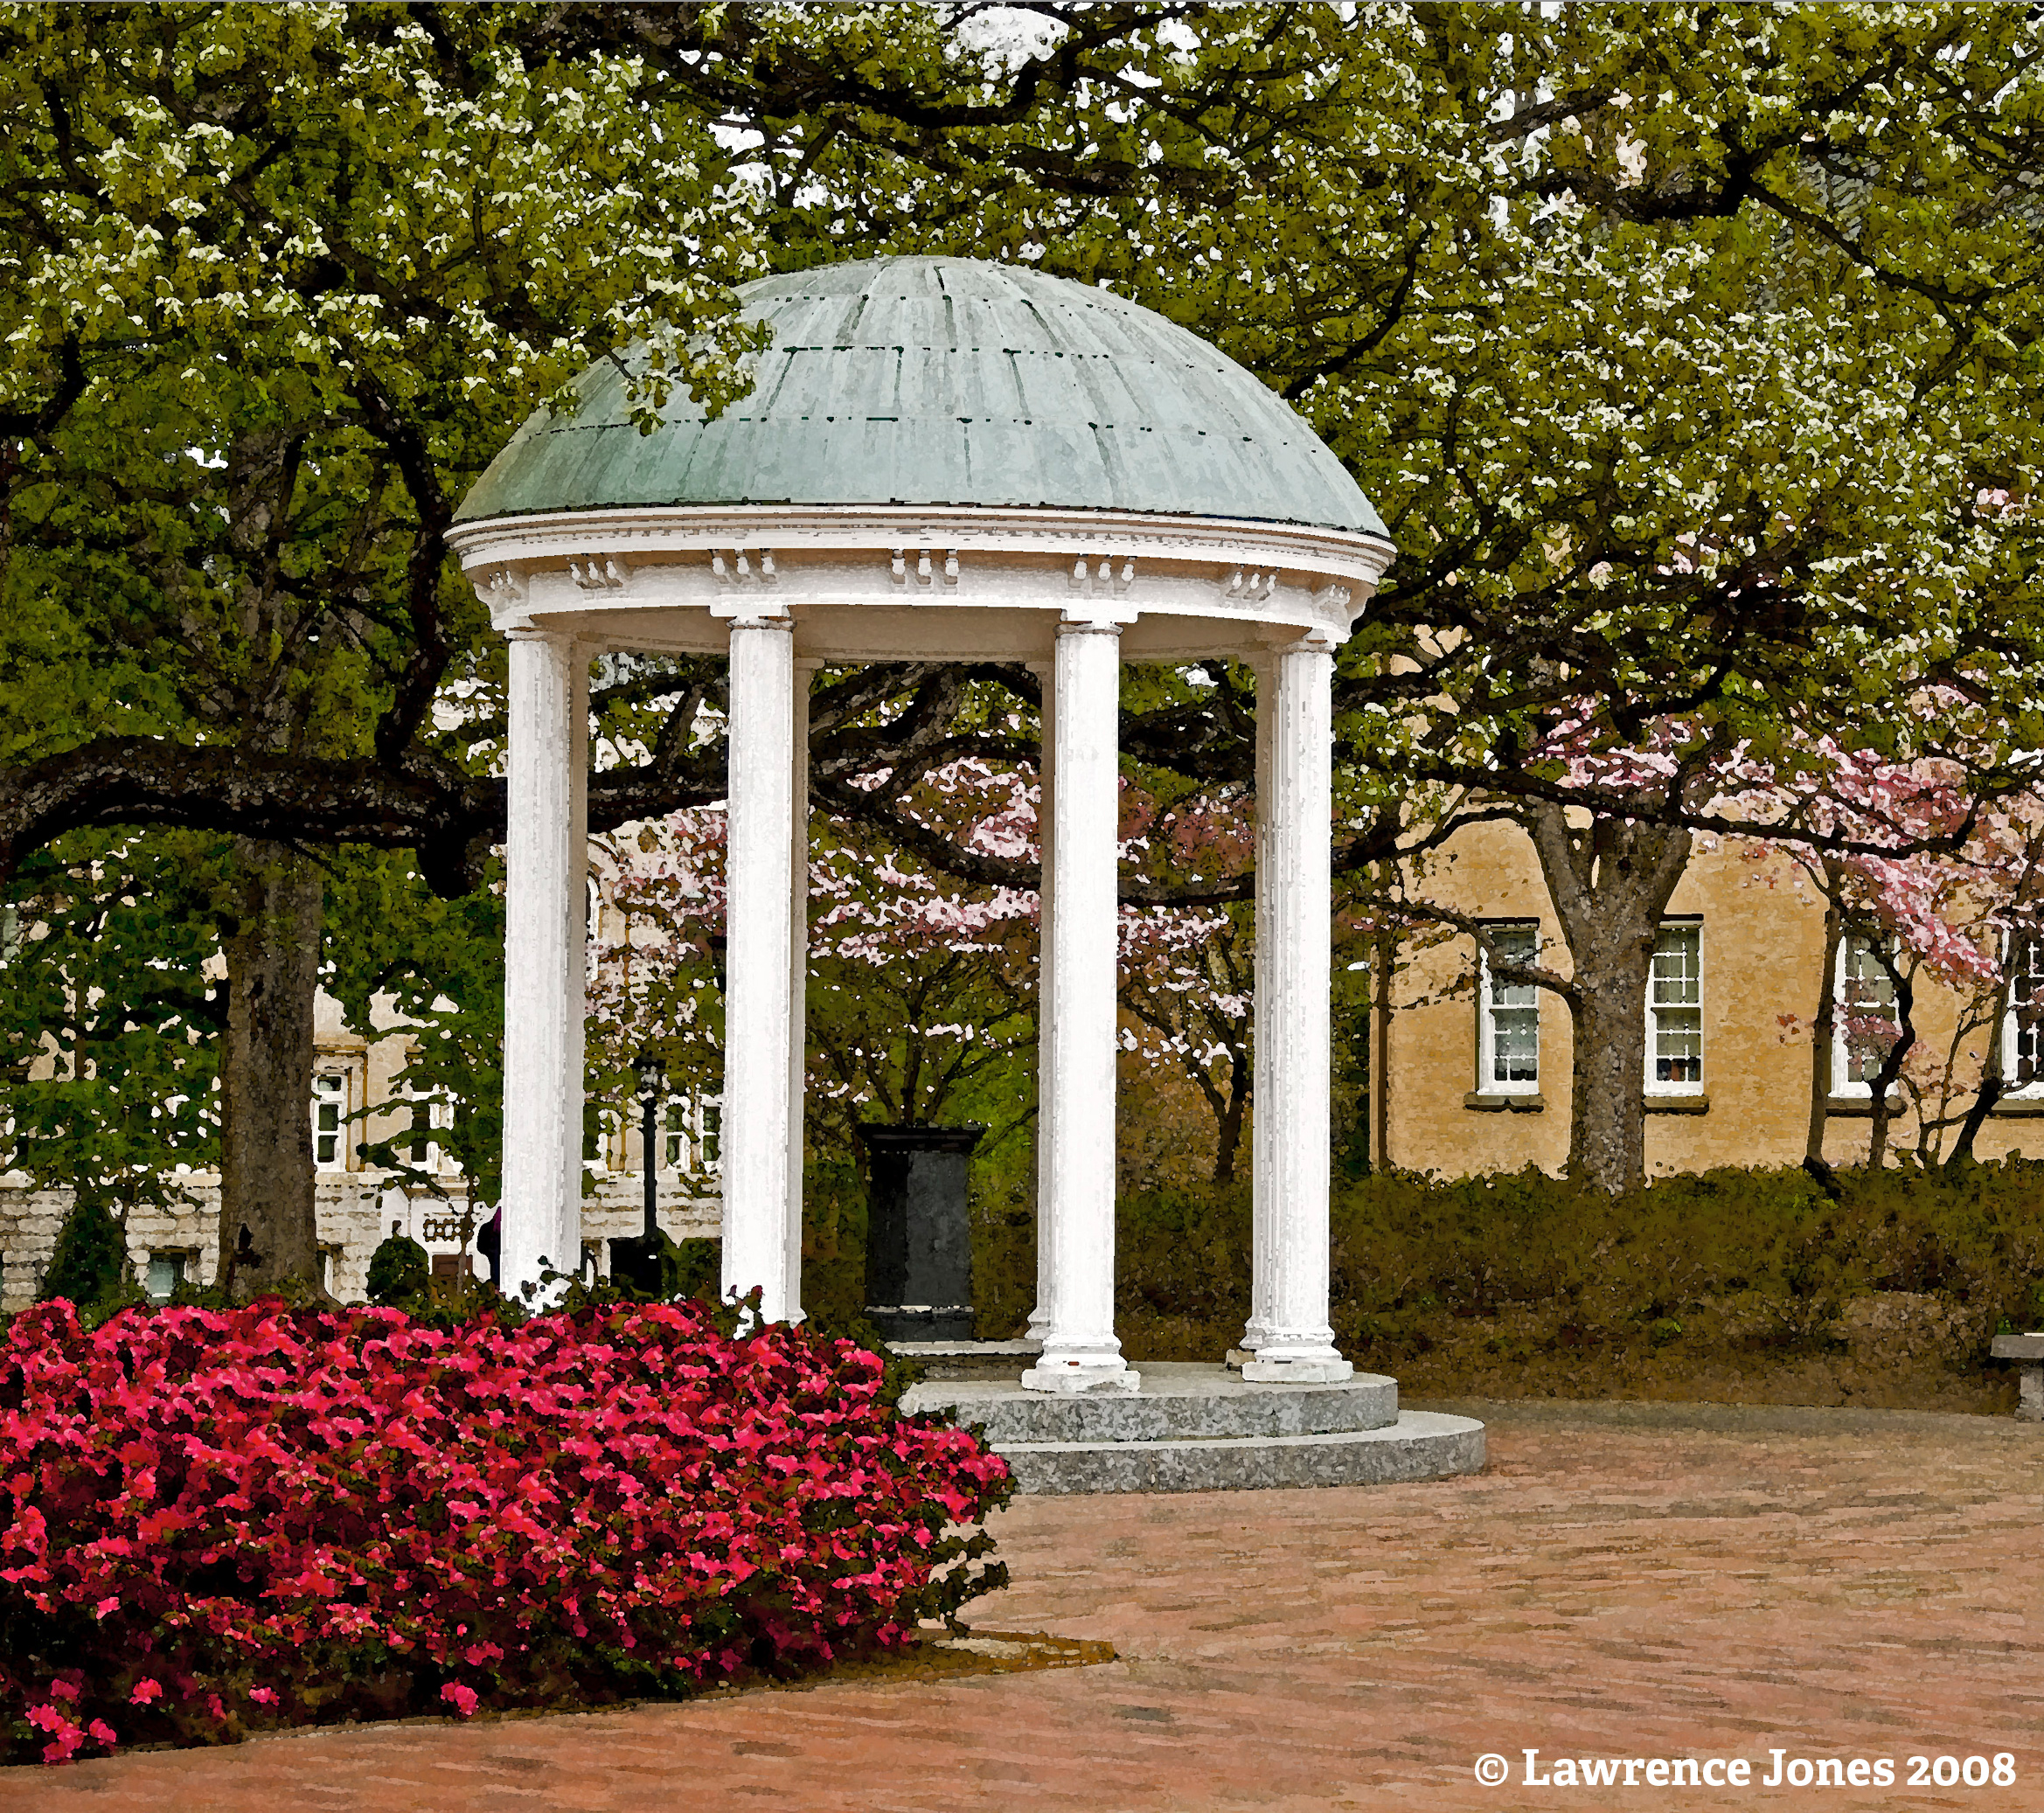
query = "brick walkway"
{"x": 1630, "y": 1581}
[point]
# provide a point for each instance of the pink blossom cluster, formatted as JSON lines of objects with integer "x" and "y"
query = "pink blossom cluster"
{"x": 216, "y": 1520}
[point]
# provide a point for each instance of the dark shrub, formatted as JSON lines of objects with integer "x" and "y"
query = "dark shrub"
{"x": 400, "y": 1271}
{"x": 89, "y": 1268}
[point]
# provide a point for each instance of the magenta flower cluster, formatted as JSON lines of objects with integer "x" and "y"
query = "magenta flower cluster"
{"x": 215, "y": 1521}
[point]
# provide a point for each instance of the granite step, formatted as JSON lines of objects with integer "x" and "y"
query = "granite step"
{"x": 1177, "y": 1402}
{"x": 1420, "y": 1445}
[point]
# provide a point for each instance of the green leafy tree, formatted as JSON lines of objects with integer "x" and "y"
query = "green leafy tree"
{"x": 277, "y": 281}
{"x": 1685, "y": 349}
{"x": 111, "y": 1010}
{"x": 1678, "y": 346}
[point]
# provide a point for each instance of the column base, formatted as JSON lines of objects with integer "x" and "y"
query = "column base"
{"x": 1263, "y": 1367}
{"x": 1071, "y": 1377}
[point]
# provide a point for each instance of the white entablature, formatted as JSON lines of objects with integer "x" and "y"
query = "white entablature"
{"x": 893, "y": 585}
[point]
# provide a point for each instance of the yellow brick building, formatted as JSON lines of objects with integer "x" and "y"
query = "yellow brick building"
{"x": 1469, "y": 1076}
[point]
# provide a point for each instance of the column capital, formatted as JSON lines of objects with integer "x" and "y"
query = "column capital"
{"x": 741, "y": 617}
{"x": 1093, "y": 626}
{"x": 1280, "y": 641}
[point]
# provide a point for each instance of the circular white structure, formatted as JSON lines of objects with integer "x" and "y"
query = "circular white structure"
{"x": 941, "y": 459}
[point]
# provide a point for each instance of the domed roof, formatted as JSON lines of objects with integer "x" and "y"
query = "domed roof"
{"x": 945, "y": 381}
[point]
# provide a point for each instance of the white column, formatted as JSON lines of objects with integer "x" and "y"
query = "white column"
{"x": 1256, "y": 1330}
{"x": 1042, "y": 1316}
{"x": 797, "y": 977}
{"x": 758, "y": 1011}
{"x": 1287, "y": 1323}
{"x": 545, "y": 926}
{"x": 1080, "y": 1351}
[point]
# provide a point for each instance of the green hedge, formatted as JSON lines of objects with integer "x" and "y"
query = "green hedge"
{"x": 1893, "y": 1279}
{"x": 1403, "y": 1243}
{"x": 1751, "y": 1284}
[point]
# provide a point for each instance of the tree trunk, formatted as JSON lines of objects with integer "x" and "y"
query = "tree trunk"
{"x": 1993, "y": 1083}
{"x": 1610, "y": 882}
{"x": 1891, "y": 1065}
{"x": 1227, "y": 1142}
{"x": 1607, "y": 1124}
{"x": 267, "y": 1233}
{"x": 1824, "y": 1033}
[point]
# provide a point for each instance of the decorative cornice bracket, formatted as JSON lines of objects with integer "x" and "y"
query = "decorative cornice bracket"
{"x": 929, "y": 571}
{"x": 1101, "y": 578}
{"x": 1250, "y": 585}
{"x": 743, "y": 567}
{"x": 608, "y": 575}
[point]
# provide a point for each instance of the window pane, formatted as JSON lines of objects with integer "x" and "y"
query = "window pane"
{"x": 1868, "y": 988}
{"x": 1515, "y": 944}
{"x": 1678, "y": 1044}
{"x": 166, "y": 1273}
{"x": 1515, "y": 1045}
{"x": 1511, "y": 1013}
{"x": 330, "y": 1104}
{"x": 1677, "y": 966}
{"x": 1674, "y": 1011}
{"x": 1865, "y": 1008}
{"x": 2026, "y": 1001}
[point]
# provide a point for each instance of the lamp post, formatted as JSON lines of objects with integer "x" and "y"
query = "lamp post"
{"x": 652, "y": 1085}
{"x": 634, "y": 1259}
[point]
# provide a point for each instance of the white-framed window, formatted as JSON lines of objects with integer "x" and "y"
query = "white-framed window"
{"x": 2022, "y": 1031}
{"x": 1509, "y": 1037}
{"x": 1864, "y": 1000}
{"x": 429, "y": 1115}
{"x": 331, "y": 1138}
{"x": 1674, "y": 1011}
{"x": 691, "y": 1130}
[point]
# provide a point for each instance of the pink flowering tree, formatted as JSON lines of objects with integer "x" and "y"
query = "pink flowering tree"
{"x": 655, "y": 961}
{"x": 1925, "y": 849}
{"x": 1610, "y": 873}
{"x": 1940, "y": 884}
{"x": 923, "y": 987}
{"x": 1188, "y": 973}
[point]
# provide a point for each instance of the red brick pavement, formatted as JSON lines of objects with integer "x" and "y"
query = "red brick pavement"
{"x": 1628, "y": 1581}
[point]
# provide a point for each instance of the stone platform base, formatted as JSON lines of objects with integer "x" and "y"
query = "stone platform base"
{"x": 989, "y": 1360}
{"x": 2028, "y": 1351}
{"x": 1198, "y": 1428}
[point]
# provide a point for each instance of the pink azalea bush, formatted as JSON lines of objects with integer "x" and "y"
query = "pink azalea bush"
{"x": 213, "y": 1521}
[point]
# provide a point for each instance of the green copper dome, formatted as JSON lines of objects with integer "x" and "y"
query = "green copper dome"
{"x": 946, "y": 381}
